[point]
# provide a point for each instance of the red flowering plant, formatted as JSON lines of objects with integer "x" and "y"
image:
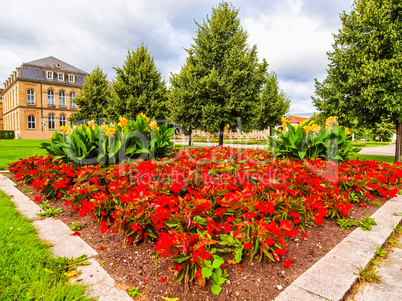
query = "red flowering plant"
{"x": 188, "y": 251}
{"x": 210, "y": 201}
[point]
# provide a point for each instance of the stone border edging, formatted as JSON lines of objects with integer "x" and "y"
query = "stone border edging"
{"x": 99, "y": 283}
{"x": 333, "y": 275}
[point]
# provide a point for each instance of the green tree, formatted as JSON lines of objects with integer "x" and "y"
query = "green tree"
{"x": 93, "y": 98}
{"x": 274, "y": 103}
{"x": 383, "y": 131}
{"x": 184, "y": 102}
{"x": 226, "y": 77}
{"x": 138, "y": 88}
{"x": 364, "y": 80}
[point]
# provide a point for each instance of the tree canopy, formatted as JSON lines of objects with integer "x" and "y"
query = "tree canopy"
{"x": 222, "y": 78}
{"x": 93, "y": 98}
{"x": 274, "y": 103}
{"x": 138, "y": 88}
{"x": 364, "y": 80}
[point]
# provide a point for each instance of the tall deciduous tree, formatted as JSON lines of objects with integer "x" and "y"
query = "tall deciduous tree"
{"x": 274, "y": 103}
{"x": 364, "y": 78}
{"x": 93, "y": 98}
{"x": 226, "y": 77}
{"x": 184, "y": 103}
{"x": 138, "y": 88}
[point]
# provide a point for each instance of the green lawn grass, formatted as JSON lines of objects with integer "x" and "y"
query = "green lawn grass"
{"x": 13, "y": 150}
{"x": 387, "y": 159}
{"x": 28, "y": 270}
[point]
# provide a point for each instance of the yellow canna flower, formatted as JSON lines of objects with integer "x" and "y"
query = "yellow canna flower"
{"x": 143, "y": 116}
{"x": 330, "y": 122}
{"x": 65, "y": 128}
{"x": 304, "y": 122}
{"x": 153, "y": 125}
{"x": 110, "y": 130}
{"x": 308, "y": 129}
{"x": 317, "y": 129}
{"x": 347, "y": 131}
{"x": 91, "y": 124}
{"x": 284, "y": 122}
{"x": 122, "y": 122}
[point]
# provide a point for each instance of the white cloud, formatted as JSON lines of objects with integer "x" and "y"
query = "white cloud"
{"x": 293, "y": 35}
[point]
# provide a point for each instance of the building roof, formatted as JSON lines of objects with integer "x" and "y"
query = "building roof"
{"x": 296, "y": 119}
{"x": 52, "y": 63}
{"x": 36, "y": 70}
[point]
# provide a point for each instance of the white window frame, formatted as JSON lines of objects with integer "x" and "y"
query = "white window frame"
{"x": 51, "y": 122}
{"x": 63, "y": 120}
{"x": 71, "y": 78}
{"x": 61, "y": 77}
{"x": 31, "y": 125}
{"x": 72, "y": 103}
{"x": 62, "y": 96}
{"x": 30, "y": 97}
{"x": 49, "y": 74}
{"x": 50, "y": 98}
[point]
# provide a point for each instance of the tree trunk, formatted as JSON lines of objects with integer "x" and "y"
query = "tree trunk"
{"x": 398, "y": 148}
{"x": 221, "y": 129}
{"x": 190, "y": 132}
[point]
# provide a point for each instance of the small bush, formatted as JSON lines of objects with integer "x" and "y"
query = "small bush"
{"x": 309, "y": 141}
{"x": 7, "y": 134}
{"x": 109, "y": 144}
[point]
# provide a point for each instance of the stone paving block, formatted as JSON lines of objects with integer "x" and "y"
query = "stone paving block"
{"x": 93, "y": 274}
{"x": 331, "y": 277}
{"x": 386, "y": 221}
{"x": 293, "y": 292}
{"x": 26, "y": 207}
{"x": 101, "y": 285}
{"x": 357, "y": 251}
{"x": 57, "y": 233}
{"x": 390, "y": 287}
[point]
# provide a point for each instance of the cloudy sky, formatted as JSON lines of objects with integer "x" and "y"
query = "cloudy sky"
{"x": 292, "y": 35}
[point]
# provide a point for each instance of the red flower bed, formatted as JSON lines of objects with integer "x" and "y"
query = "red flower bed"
{"x": 210, "y": 201}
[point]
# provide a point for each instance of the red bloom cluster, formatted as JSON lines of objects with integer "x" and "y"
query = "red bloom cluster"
{"x": 190, "y": 201}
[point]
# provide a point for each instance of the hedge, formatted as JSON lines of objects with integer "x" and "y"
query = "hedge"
{"x": 7, "y": 135}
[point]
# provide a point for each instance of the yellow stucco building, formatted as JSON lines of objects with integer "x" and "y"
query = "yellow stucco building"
{"x": 38, "y": 97}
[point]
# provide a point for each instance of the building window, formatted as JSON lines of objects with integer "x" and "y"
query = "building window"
{"x": 52, "y": 123}
{"x": 30, "y": 97}
{"x": 71, "y": 78}
{"x": 61, "y": 77}
{"x": 31, "y": 122}
{"x": 72, "y": 104}
{"x": 62, "y": 120}
{"x": 62, "y": 99}
{"x": 50, "y": 98}
{"x": 49, "y": 74}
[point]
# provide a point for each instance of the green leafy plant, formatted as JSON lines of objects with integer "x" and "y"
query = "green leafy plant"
{"x": 26, "y": 191}
{"x": 309, "y": 141}
{"x": 369, "y": 275}
{"x": 134, "y": 292}
{"x": 112, "y": 143}
{"x": 212, "y": 270}
{"x": 49, "y": 212}
{"x": 380, "y": 252}
{"x": 76, "y": 227}
{"x": 365, "y": 224}
{"x": 375, "y": 203}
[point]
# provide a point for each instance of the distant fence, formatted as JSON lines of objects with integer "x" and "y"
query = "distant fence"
{"x": 7, "y": 135}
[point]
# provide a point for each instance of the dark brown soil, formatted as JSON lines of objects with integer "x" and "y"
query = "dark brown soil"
{"x": 135, "y": 266}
